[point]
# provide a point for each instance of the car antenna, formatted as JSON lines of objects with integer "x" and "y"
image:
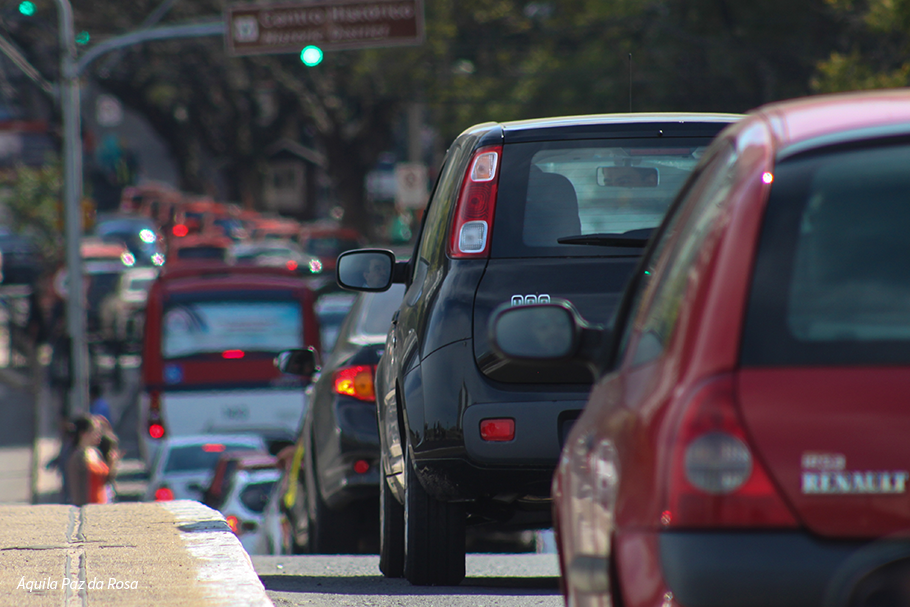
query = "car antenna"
{"x": 630, "y": 83}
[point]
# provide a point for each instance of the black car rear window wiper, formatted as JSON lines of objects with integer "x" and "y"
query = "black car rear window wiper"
{"x": 632, "y": 238}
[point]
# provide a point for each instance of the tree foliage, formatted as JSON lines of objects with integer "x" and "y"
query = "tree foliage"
{"x": 875, "y": 48}
{"x": 33, "y": 204}
{"x": 483, "y": 60}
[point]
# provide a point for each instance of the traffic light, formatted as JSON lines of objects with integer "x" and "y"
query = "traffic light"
{"x": 82, "y": 38}
{"x": 311, "y": 56}
{"x": 27, "y": 8}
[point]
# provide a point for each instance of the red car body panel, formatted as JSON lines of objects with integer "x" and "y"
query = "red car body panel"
{"x": 857, "y": 413}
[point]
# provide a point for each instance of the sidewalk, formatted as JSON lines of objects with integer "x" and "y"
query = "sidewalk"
{"x": 176, "y": 553}
{"x": 135, "y": 554}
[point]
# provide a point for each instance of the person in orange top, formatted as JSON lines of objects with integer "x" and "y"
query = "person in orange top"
{"x": 88, "y": 471}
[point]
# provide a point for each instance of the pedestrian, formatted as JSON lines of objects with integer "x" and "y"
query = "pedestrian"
{"x": 88, "y": 472}
{"x": 109, "y": 447}
{"x": 98, "y": 405}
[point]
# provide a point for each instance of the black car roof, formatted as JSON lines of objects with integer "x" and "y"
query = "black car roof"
{"x": 640, "y": 124}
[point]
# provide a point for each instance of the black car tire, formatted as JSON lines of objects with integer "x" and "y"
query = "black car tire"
{"x": 391, "y": 532}
{"x": 434, "y": 535}
{"x": 331, "y": 531}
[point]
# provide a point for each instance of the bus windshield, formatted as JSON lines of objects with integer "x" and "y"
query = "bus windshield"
{"x": 204, "y": 327}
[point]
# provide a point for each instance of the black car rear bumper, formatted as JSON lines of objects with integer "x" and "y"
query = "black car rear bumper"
{"x": 447, "y": 398}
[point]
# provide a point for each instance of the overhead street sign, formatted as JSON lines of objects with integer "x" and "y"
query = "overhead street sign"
{"x": 255, "y": 29}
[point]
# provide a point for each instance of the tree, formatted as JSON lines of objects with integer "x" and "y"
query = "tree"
{"x": 874, "y": 52}
{"x": 482, "y": 60}
{"x": 33, "y": 202}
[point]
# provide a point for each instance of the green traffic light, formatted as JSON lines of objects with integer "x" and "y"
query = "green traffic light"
{"x": 82, "y": 37}
{"x": 311, "y": 55}
{"x": 27, "y": 8}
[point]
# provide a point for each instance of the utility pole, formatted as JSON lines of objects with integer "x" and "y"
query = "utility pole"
{"x": 72, "y": 193}
{"x": 70, "y": 70}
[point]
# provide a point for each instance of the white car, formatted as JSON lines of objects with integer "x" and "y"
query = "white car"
{"x": 252, "y": 483}
{"x": 183, "y": 465}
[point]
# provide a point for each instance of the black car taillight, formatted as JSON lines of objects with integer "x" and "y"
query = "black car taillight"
{"x": 473, "y": 218}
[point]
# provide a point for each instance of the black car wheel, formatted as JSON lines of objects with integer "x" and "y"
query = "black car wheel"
{"x": 434, "y": 535}
{"x": 331, "y": 531}
{"x": 391, "y": 532}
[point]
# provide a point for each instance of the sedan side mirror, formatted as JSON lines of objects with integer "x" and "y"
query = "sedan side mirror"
{"x": 298, "y": 362}
{"x": 553, "y": 332}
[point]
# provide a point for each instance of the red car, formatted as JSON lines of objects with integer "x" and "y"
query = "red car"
{"x": 745, "y": 442}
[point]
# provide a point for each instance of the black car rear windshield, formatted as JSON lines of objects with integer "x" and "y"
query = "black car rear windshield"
{"x": 832, "y": 276}
{"x": 551, "y": 191}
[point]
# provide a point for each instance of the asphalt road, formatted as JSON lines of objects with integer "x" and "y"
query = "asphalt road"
{"x": 493, "y": 580}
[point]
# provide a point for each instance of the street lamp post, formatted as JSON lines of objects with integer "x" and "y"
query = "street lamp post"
{"x": 70, "y": 70}
{"x": 72, "y": 192}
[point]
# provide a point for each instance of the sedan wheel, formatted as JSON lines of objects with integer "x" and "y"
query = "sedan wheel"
{"x": 391, "y": 532}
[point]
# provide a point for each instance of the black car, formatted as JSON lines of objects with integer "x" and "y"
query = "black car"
{"x": 338, "y": 485}
{"x": 521, "y": 212}
{"x": 21, "y": 258}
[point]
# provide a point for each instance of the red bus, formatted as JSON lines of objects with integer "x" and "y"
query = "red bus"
{"x": 212, "y": 331}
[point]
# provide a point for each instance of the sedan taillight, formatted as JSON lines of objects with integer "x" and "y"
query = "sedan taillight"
{"x": 356, "y": 381}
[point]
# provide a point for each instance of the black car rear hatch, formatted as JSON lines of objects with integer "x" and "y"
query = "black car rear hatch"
{"x": 576, "y": 205}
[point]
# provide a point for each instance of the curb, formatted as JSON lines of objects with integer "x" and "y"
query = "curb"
{"x": 179, "y": 554}
{"x": 225, "y": 569}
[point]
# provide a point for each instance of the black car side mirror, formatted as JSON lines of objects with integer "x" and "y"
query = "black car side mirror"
{"x": 298, "y": 362}
{"x": 367, "y": 270}
{"x": 553, "y": 332}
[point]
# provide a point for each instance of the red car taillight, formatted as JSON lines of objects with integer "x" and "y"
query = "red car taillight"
{"x": 356, "y": 381}
{"x": 155, "y": 423}
{"x": 715, "y": 478}
{"x": 473, "y": 217}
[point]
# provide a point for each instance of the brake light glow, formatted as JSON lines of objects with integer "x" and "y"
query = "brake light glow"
{"x": 155, "y": 424}
{"x": 356, "y": 381}
{"x": 180, "y": 230}
{"x": 234, "y": 523}
{"x": 213, "y": 448}
{"x": 497, "y": 430}
{"x": 291, "y": 265}
{"x": 163, "y": 494}
{"x": 473, "y": 217}
{"x": 232, "y": 354}
{"x": 715, "y": 479}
